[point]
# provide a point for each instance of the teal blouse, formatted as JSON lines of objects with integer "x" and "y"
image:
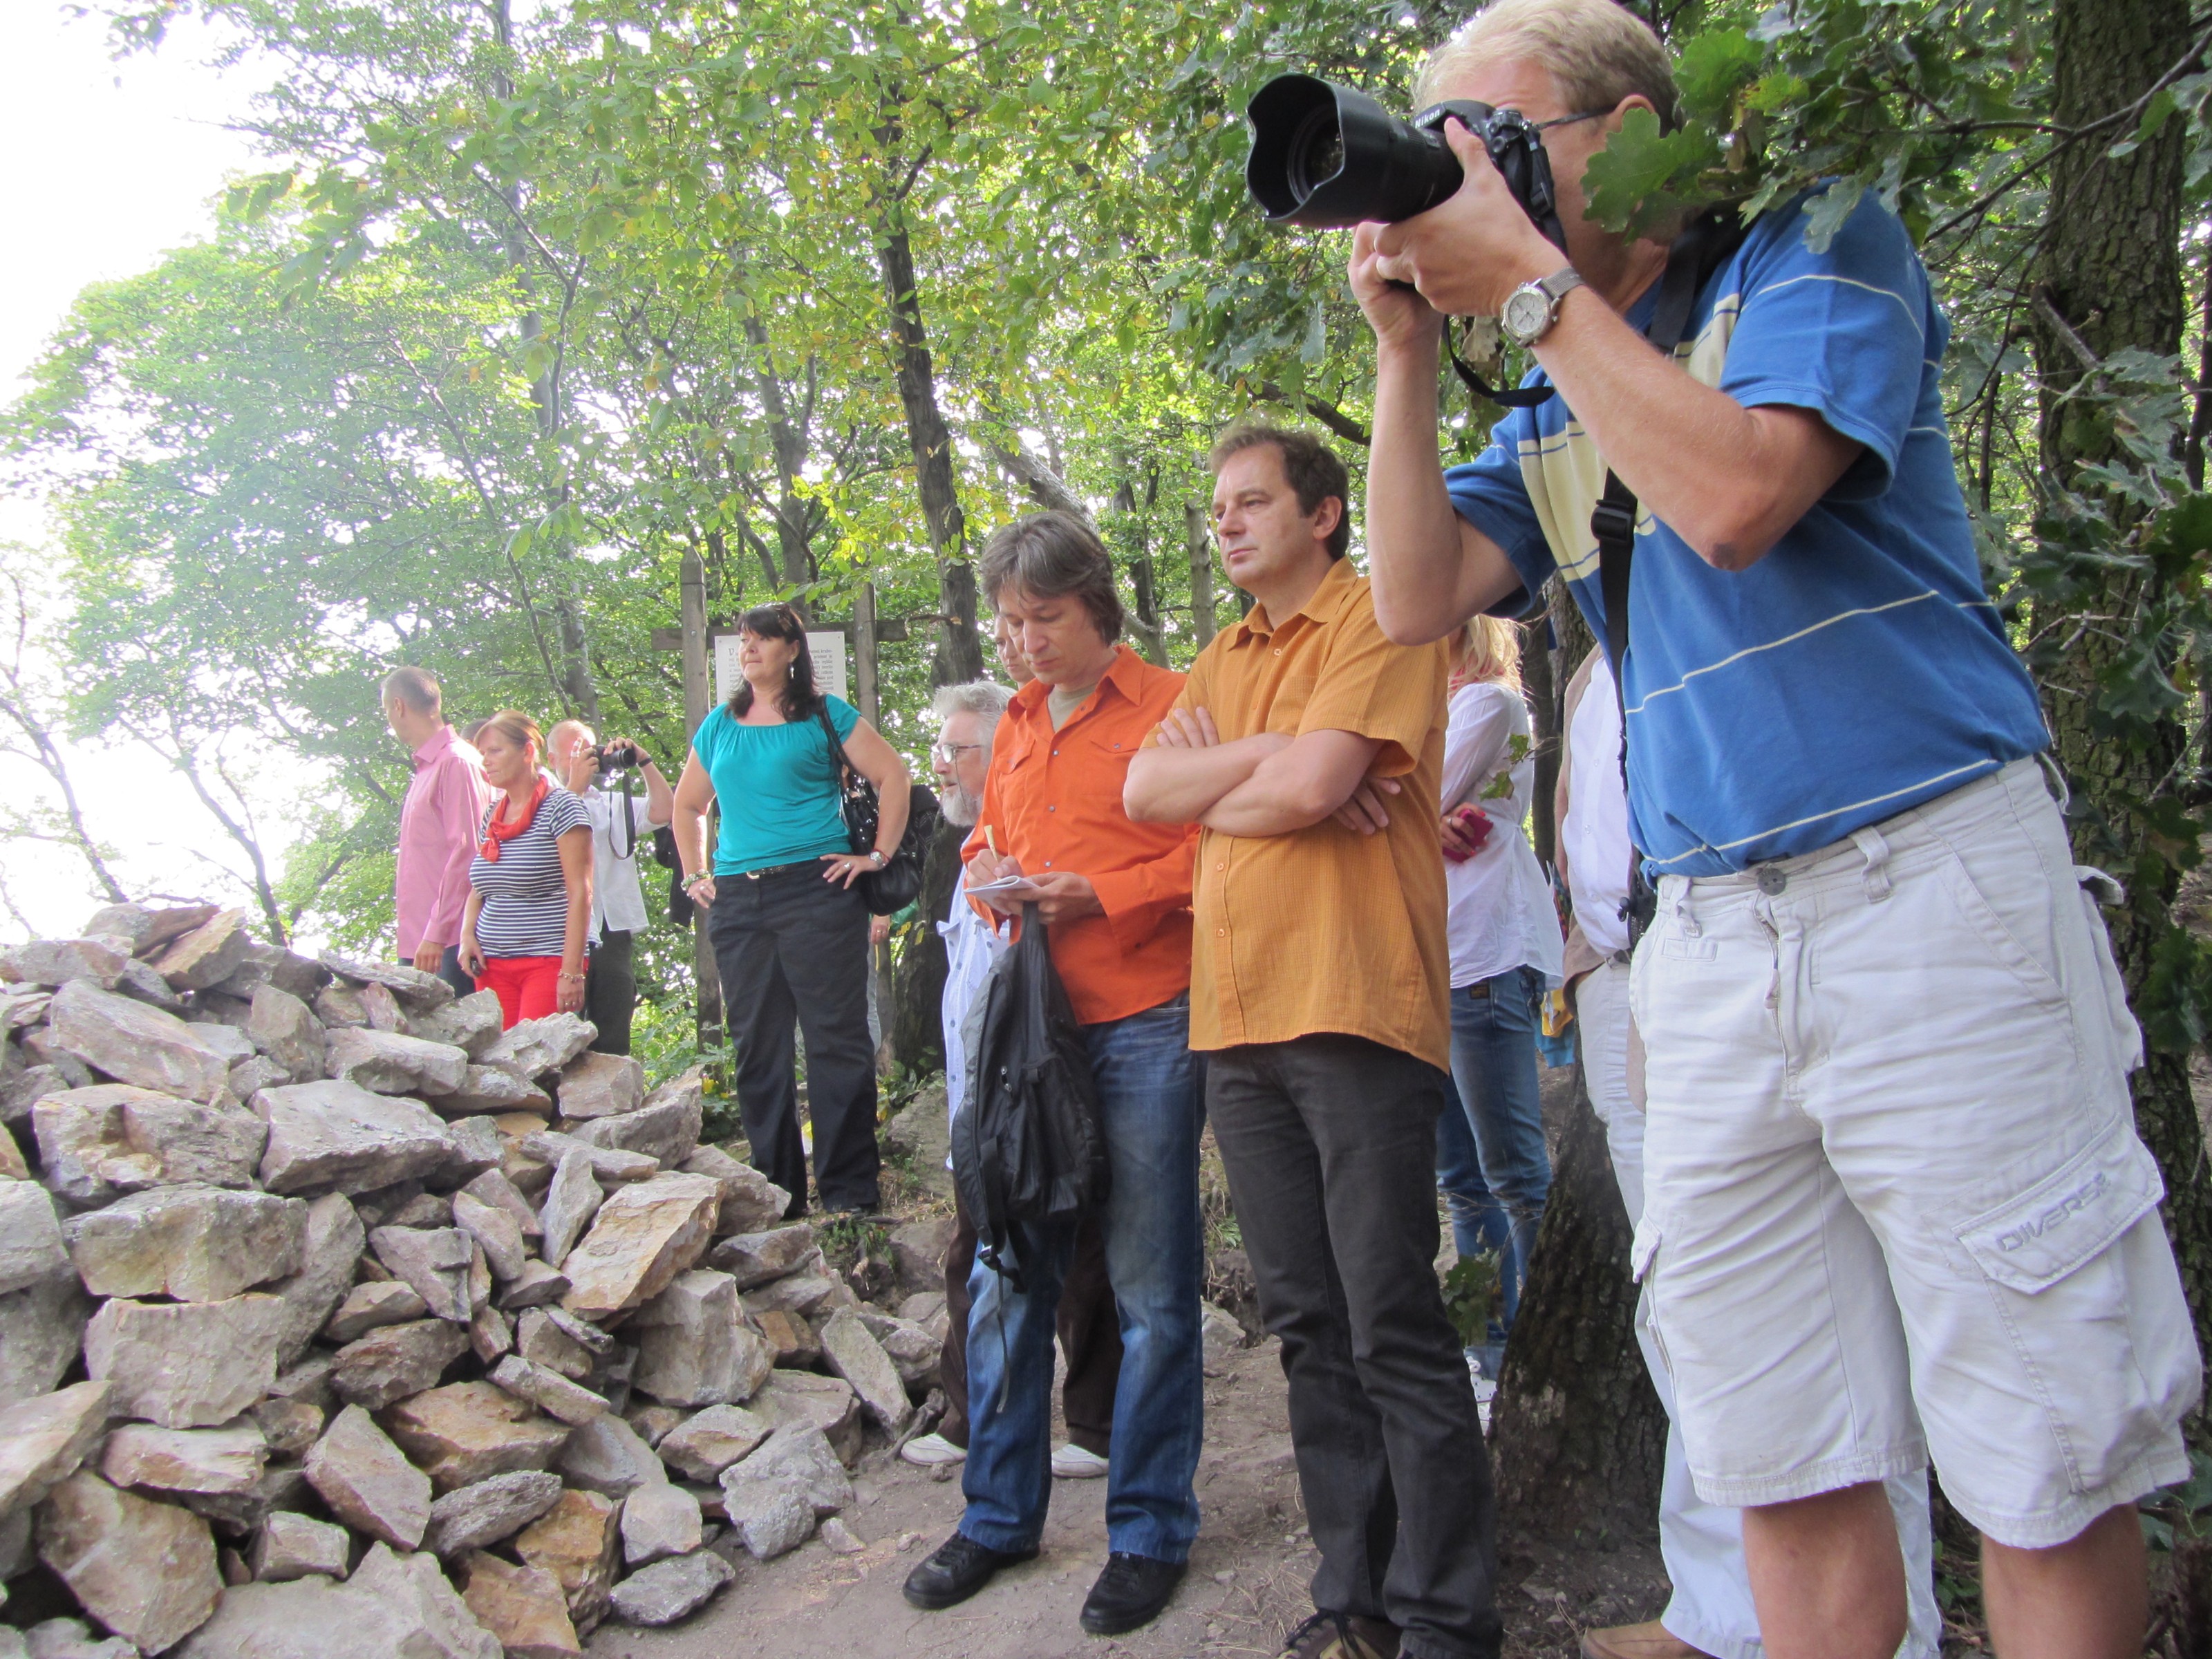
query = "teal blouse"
{"x": 777, "y": 787}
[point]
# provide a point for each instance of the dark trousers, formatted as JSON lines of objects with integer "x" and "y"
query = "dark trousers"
{"x": 449, "y": 970}
{"x": 791, "y": 949}
{"x": 1090, "y": 1335}
{"x": 1329, "y": 1143}
{"x": 610, "y": 990}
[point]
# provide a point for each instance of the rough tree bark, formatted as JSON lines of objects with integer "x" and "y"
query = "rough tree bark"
{"x": 2111, "y": 279}
{"x": 959, "y": 654}
{"x": 787, "y": 437}
{"x": 1198, "y": 545}
{"x": 1578, "y": 1436}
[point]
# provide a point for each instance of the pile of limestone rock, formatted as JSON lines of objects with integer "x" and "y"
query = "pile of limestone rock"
{"x": 336, "y": 1321}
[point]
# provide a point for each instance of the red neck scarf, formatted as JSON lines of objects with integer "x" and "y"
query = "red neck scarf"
{"x": 500, "y": 829}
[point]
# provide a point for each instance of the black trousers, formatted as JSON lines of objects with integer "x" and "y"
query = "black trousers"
{"x": 1090, "y": 1334}
{"x": 1329, "y": 1143}
{"x": 610, "y": 990}
{"x": 449, "y": 970}
{"x": 791, "y": 949}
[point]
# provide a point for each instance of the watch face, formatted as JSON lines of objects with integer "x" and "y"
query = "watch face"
{"x": 1527, "y": 312}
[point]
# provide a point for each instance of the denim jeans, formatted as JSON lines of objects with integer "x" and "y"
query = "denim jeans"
{"x": 1150, "y": 1097}
{"x": 1478, "y": 1220}
{"x": 1494, "y": 1065}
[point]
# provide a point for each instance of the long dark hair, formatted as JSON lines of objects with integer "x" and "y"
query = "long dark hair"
{"x": 799, "y": 699}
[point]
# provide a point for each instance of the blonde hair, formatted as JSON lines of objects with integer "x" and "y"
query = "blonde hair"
{"x": 517, "y": 727}
{"x": 1488, "y": 648}
{"x": 1596, "y": 53}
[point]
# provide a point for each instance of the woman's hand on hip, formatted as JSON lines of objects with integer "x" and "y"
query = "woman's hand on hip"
{"x": 846, "y": 868}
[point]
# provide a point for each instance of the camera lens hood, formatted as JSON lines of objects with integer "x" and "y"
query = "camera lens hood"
{"x": 1325, "y": 156}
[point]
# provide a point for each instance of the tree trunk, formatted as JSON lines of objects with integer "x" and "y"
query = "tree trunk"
{"x": 1197, "y": 542}
{"x": 1578, "y": 1437}
{"x": 787, "y": 439}
{"x": 698, "y": 703}
{"x": 1144, "y": 581}
{"x": 959, "y": 655}
{"x": 2112, "y": 280}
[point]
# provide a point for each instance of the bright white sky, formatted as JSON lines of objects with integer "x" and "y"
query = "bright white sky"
{"x": 112, "y": 164}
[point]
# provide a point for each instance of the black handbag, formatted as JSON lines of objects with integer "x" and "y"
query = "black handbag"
{"x": 1029, "y": 1146}
{"x": 898, "y": 883}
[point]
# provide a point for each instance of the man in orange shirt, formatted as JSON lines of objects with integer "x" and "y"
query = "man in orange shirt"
{"x": 1116, "y": 898}
{"x": 1320, "y": 983}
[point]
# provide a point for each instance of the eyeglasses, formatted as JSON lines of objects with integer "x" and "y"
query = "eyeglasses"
{"x": 1570, "y": 120}
{"x": 950, "y": 753}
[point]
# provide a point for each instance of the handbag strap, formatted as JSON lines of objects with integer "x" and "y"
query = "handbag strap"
{"x": 846, "y": 769}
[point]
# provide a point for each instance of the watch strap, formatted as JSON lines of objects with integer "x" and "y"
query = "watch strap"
{"x": 1561, "y": 283}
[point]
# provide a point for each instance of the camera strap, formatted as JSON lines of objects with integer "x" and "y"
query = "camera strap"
{"x": 1508, "y": 396}
{"x": 1708, "y": 242}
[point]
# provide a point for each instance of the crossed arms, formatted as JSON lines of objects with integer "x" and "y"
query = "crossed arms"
{"x": 1268, "y": 784}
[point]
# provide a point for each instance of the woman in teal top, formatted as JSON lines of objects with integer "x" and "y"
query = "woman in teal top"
{"x": 789, "y": 931}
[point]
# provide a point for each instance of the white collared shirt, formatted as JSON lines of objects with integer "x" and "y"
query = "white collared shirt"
{"x": 970, "y": 948}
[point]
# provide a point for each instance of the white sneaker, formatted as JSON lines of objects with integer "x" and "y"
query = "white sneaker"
{"x": 931, "y": 1450}
{"x": 1071, "y": 1462}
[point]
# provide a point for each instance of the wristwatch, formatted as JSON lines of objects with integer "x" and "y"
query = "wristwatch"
{"x": 1533, "y": 307}
{"x": 876, "y": 857}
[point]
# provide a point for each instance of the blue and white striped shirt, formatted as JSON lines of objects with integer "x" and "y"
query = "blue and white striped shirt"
{"x": 1856, "y": 671}
{"x": 526, "y": 901}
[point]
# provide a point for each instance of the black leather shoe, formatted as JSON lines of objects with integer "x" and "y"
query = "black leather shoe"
{"x": 960, "y": 1567}
{"x": 1130, "y": 1592}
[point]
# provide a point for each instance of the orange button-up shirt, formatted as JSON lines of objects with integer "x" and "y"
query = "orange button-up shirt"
{"x": 1054, "y": 801}
{"x": 1326, "y": 929}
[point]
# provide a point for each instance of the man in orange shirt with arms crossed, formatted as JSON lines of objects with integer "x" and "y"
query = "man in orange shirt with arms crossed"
{"x": 1319, "y": 984}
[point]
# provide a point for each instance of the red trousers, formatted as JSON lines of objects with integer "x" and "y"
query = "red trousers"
{"x": 528, "y": 988}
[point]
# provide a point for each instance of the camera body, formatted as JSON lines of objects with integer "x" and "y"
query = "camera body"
{"x": 1327, "y": 157}
{"x": 612, "y": 757}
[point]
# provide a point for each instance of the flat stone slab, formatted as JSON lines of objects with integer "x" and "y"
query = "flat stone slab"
{"x": 44, "y": 1439}
{"x": 193, "y": 1243}
{"x": 185, "y": 1365}
{"x": 397, "y": 1361}
{"x": 33, "y": 1245}
{"x": 334, "y": 1136}
{"x": 432, "y": 1261}
{"x": 669, "y": 1590}
{"x": 694, "y": 1345}
{"x": 641, "y": 1239}
{"x": 227, "y": 1458}
{"x": 524, "y": 1606}
{"x": 708, "y": 1442}
{"x": 132, "y": 1042}
{"x": 146, "y": 1570}
{"x": 533, "y": 1047}
{"x": 471, "y": 1518}
{"x": 414, "y": 988}
{"x": 291, "y": 1546}
{"x": 579, "y": 1541}
{"x": 390, "y": 1064}
{"x": 601, "y": 1085}
{"x": 367, "y": 1481}
{"x": 465, "y": 1432}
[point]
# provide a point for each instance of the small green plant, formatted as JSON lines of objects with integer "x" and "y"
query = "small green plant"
{"x": 2177, "y": 1513}
{"x": 845, "y": 1239}
{"x": 1470, "y": 1293}
{"x": 665, "y": 1038}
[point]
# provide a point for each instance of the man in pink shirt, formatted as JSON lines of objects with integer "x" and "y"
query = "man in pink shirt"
{"x": 439, "y": 824}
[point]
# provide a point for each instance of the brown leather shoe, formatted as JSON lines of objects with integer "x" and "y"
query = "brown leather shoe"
{"x": 1648, "y": 1641}
{"x": 1342, "y": 1636}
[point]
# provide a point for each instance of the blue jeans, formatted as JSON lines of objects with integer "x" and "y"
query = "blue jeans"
{"x": 1494, "y": 1065}
{"x": 1478, "y": 1220}
{"x": 1150, "y": 1095}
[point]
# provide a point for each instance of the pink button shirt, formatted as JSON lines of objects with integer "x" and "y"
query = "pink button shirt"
{"x": 438, "y": 825}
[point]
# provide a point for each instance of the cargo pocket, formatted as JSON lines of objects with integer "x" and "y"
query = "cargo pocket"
{"x": 2030, "y": 1243}
{"x": 1642, "y": 1262}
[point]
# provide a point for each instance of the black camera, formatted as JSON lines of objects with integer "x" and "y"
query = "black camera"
{"x": 1326, "y": 157}
{"x": 614, "y": 757}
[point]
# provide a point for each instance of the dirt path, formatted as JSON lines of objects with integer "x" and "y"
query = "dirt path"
{"x": 1247, "y": 1583}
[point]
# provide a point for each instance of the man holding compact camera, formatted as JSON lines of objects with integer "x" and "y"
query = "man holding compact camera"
{"x": 1896, "y": 1209}
{"x": 618, "y": 914}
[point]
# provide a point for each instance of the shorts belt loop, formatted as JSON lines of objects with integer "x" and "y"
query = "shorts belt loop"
{"x": 1872, "y": 849}
{"x": 1683, "y": 919}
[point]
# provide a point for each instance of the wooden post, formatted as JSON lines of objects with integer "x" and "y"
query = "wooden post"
{"x": 867, "y": 689}
{"x": 698, "y": 700}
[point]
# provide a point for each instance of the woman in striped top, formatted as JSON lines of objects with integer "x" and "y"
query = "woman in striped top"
{"x": 523, "y": 935}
